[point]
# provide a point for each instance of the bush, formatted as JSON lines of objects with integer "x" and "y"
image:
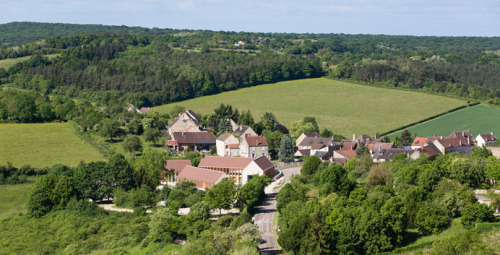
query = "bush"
{"x": 432, "y": 219}
{"x": 475, "y": 213}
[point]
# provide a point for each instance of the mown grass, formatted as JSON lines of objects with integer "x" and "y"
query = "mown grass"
{"x": 43, "y": 145}
{"x": 13, "y": 198}
{"x": 343, "y": 107}
{"x": 478, "y": 119}
{"x": 8, "y": 62}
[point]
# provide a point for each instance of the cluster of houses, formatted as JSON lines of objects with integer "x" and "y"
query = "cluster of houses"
{"x": 330, "y": 150}
{"x": 242, "y": 153}
{"x": 142, "y": 110}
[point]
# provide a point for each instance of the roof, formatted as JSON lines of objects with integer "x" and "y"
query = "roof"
{"x": 256, "y": 140}
{"x": 234, "y": 146}
{"x": 194, "y": 137}
{"x": 347, "y": 153}
{"x": 419, "y": 141}
{"x": 225, "y": 162}
{"x": 224, "y": 136}
{"x": 388, "y": 154}
{"x": 192, "y": 115}
{"x": 201, "y": 174}
{"x": 340, "y": 161}
{"x": 299, "y": 153}
{"x": 318, "y": 146}
{"x": 264, "y": 163}
{"x": 144, "y": 110}
{"x": 129, "y": 106}
{"x": 171, "y": 142}
{"x": 488, "y": 137}
{"x": 460, "y": 134}
{"x": 177, "y": 165}
{"x": 312, "y": 140}
{"x": 311, "y": 134}
{"x": 383, "y": 146}
{"x": 349, "y": 145}
{"x": 431, "y": 150}
{"x": 242, "y": 129}
{"x": 455, "y": 142}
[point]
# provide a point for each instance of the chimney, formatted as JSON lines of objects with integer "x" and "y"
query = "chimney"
{"x": 353, "y": 137}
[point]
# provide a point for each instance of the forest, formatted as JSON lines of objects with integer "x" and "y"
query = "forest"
{"x": 149, "y": 67}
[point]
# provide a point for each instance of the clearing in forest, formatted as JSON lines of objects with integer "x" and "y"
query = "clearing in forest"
{"x": 43, "y": 145}
{"x": 343, "y": 107}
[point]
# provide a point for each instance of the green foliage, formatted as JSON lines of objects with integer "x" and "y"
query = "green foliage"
{"x": 252, "y": 193}
{"x": 432, "y": 219}
{"x": 273, "y": 138}
{"x": 148, "y": 168}
{"x": 132, "y": 144}
{"x": 152, "y": 135}
{"x": 310, "y": 166}
{"x": 221, "y": 195}
{"x": 306, "y": 125}
{"x": 163, "y": 225}
{"x": 286, "y": 148}
{"x": 468, "y": 243}
{"x": 476, "y": 213}
{"x": 109, "y": 128}
{"x": 133, "y": 198}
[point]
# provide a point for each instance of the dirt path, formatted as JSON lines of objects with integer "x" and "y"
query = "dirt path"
{"x": 264, "y": 216}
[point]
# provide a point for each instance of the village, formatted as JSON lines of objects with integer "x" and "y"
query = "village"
{"x": 243, "y": 153}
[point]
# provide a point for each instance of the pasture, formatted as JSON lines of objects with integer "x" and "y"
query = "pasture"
{"x": 43, "y": 145}
{"x": 14, "y": 198}
{"x": 8, "y": 62}
{"x": 343, "y": 107}
{"x": 478, "y": 119}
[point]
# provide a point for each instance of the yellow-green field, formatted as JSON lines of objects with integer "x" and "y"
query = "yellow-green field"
{"x": 14, "y": 198}
{"x": 7, "y": 63}
{"x": 42, "y": 145}
{"x": 343, "y": 107}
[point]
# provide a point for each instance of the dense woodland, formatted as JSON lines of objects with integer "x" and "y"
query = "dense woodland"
{"x": 149, "y": 67}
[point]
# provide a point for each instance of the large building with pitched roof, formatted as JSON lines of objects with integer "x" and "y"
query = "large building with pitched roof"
{"x": 239, "y": 169}
{"x": 202, "y": 177}
{"x": 191, "y": 141}
{"x": 185, "y": 122}
{"x": 173, "y": 168}
{"x": 254, "y": 146}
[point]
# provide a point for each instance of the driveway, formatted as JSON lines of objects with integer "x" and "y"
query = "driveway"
{"x": 264, "y": 216}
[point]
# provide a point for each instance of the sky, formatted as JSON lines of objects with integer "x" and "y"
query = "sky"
{"x": 393, "y": 17}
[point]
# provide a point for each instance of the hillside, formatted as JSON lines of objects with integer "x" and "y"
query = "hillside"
{"x": 343, "y": 107}
{"x": 43, "y": 145}
{"x": 479, "y": 118}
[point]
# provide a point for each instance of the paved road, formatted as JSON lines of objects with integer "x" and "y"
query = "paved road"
{"x": 264, "y": 216}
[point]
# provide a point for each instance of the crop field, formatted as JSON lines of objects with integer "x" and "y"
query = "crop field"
{"x": 8, "y": 62}
{"x": 478, "y": 119}
{"x": 43, "y": 145}
{"x": 343, "y": 107}
{"x": 14, "y": 198}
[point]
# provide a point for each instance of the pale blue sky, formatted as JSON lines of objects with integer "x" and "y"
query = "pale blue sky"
{"x": 401, "y": 17}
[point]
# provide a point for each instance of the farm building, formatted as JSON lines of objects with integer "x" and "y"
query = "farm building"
{"x": 173, "y": 168}
{"x": 203, "y": 178}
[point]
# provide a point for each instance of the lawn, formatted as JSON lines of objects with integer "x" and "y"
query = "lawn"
{"x": 43, "y": 145}
{"x": 14, "y": 199}
{"x": 343, "y": 107}
{"x": 8, "y": 62}
{"x": 477, "y": 119}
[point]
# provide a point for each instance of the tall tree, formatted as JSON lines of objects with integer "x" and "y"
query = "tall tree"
{"x": 221, "y": 195}
{"x": 286, "y": 148}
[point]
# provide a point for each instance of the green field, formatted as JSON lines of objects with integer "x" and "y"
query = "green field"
{"x": 14, "y": 198}
{"x": 343, "y": 107}
{"x": 477, "y": 119}
{"x": 41, "y": 145}
{"x": 8, "y": 62}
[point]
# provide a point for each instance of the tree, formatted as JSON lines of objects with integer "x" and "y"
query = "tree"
{"x": 200, "y": 211}
{"x": 379, "y": 175}
{"x": 176, "y": 110}
{"x": 149, "y": 167}
{"x": 163, "y": 225}
{"x": 286, "y": 148}
{"x": 475, "y": 213}
{"x": 310, "y": 166}
{"x": 405, "y": 139}
{"x": 273, "y": 138}
{"x": 224, "y": 126}
{"x": 432, "y": 219}
{"x": 308, "y": 124}
{"x": 481, "y": 152}
{"x": 221, "y": 195}
{"x": 109, "y": 128}
{"x": 269, "y": 121}
{"x": 152, "y": 135}
{"x": 326, "y": 133}
{"x": 132, "y": 144}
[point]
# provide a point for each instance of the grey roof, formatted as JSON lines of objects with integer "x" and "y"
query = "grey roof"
{"x": 310, "y": 141}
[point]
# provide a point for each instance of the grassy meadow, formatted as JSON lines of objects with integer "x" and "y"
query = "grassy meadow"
{"x": 14, "y": 198}
{"x": 477, "y": 119}
{"x": 8, "y": 62}
{"x": 343, "y": 107}
{"x": 43, "y": 145}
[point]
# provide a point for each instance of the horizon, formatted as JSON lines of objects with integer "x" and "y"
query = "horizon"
{"x": 392, "y": 17}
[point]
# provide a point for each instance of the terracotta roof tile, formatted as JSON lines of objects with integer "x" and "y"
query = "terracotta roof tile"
{"x": 234, "y": 146}
{"x": 177, "y": 165}
{"x": 194, "y": 137}
{"x": 256, "y": 140}
{"x": 419, "y": 141}
{"x": 225, "y": 162}
{"x": 201, "y": 174}
{"x": 488, "y": 137}
{"x": 347, "y": 153}
{"x": 312, "y": 140}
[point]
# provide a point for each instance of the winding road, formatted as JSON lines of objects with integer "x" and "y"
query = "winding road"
{"x": 264, "y": 216}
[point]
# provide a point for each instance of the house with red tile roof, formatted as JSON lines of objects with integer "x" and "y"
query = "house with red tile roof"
{"x": 191, "y": 141}
{"x": 429, "y": 150}
{"x": 341, "y": 156}
{"x": 173, "y": 168}
{"x": 185, "y": 122}
{"x": 485, "y": 139}
{"x": 202, "y": 177}
{"x": 228, "y": 145}
{"x": 419, "y": 142}
{"x": 254, "y": 146}
{"x": 239, "y": 169}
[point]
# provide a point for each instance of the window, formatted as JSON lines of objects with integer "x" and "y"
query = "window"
{"x": 227, "y": 146}
{"x": 263, "y": 154}
{"x": 253, "y": 148}
{"x": 253, "y": 155}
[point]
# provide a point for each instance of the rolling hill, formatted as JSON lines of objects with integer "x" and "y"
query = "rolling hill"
{"x": 343, "y": 107}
